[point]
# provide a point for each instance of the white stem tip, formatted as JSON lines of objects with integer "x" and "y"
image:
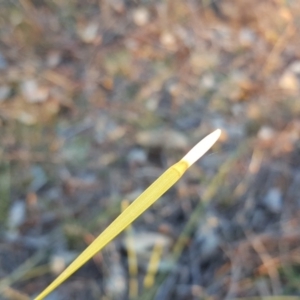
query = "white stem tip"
{"x": 202, "y": 147}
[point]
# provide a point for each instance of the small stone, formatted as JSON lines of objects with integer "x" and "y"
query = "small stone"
{"x": 295, "y": 67}
{"x": 273, "y": 200}
{"x": 246, "y": 37}
{"x": 289, "y": 81}
{"x": 143, "y": 242}
{"x": 17, "y": 214}
{"x": 16, "y": 17}
{"x": 39, "y": 178}
{"x": 152, "y": 104}
{"x": 34, "y": 93}
{"x": 4, "y": 92}
{"x": 208, "y": 81}
{"x": 3, "y": 63}
{"x": 141, "y": 16}
{"x": 115, "y": 282}
{"x": 290, "y": 78}
{"x": 208, "y": 238}
{"x": 53, "y": 58}
{"x": 59, "y": 261}
{"x": 166, "y": 138}
{"x": 57, "y": 264}
{"x": 89, "y": 32}
{"x": 168, "y": 40}
{"x": 137, "y": 156}
{"x": 26, "y": 118}
{"x": 266, "y": 133}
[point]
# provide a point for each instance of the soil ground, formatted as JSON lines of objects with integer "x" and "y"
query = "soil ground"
{"x": 98, "y": 98}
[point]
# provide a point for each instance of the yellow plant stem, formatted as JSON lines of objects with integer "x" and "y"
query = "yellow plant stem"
{"x": 153, "y": 265}
{"x": 132, "y": 212}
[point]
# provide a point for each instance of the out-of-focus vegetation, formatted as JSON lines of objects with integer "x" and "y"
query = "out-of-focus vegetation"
{"x": 97, "y": 98}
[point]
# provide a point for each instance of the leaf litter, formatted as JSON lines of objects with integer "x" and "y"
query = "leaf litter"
{"x": 141, "y": 72}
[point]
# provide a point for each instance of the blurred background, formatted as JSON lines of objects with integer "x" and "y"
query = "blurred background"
{"x": 98, "y": 98}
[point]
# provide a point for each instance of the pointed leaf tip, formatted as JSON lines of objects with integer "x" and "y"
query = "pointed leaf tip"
{"x": 202, "y": 147}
